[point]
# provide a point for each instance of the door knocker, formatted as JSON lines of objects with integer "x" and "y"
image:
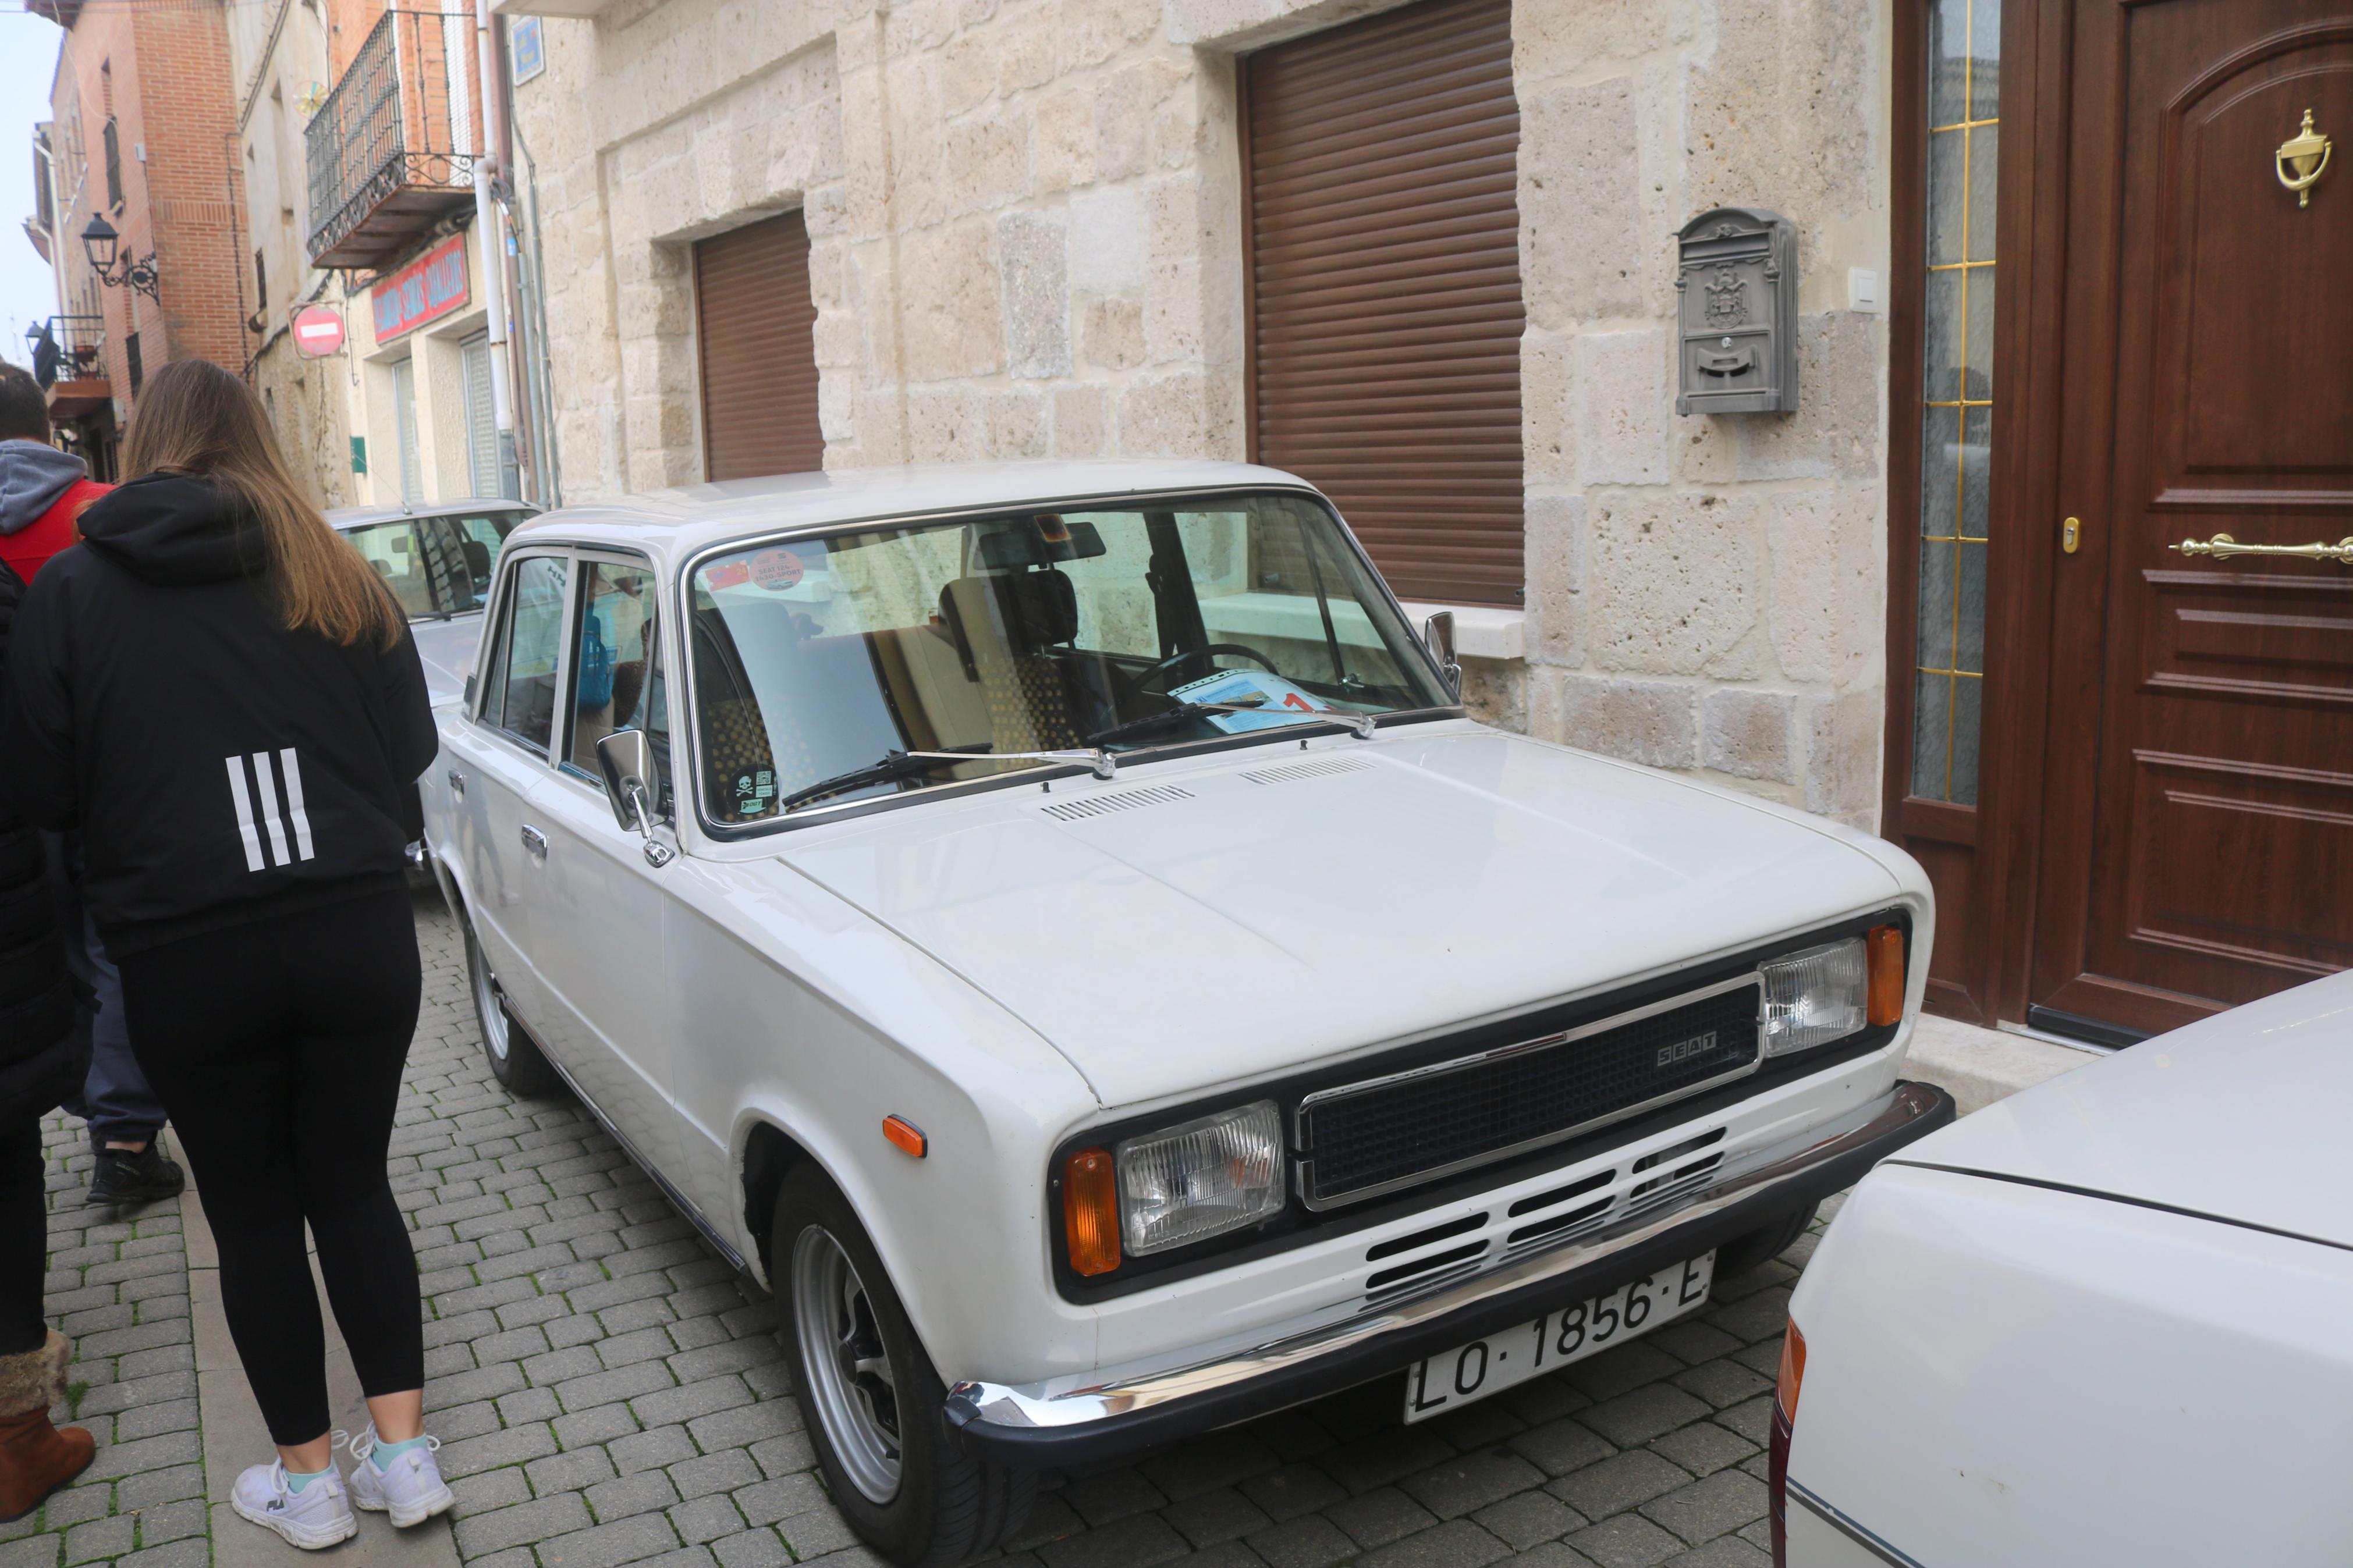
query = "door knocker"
{"x": 2301, "y": 160}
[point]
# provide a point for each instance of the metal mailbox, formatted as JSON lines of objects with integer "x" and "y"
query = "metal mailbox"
{"x": 1738, "y": 347}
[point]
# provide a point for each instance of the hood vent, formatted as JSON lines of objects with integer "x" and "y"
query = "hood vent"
{"x": 1316, "y": 769}
{"x": 1125, "y": 800}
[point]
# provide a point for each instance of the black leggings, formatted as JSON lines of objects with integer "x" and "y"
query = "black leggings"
{"x": 277, "y": 1047}
{"x": 24, "y": 1237}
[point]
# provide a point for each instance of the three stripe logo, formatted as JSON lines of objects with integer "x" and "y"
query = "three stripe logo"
{"x": 251, "y": 825}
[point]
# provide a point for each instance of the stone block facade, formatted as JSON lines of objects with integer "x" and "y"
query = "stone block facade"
{"x": 1027, "y": 241}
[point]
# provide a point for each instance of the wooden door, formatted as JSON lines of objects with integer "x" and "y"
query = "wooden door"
{"x": 2196, "y": 837}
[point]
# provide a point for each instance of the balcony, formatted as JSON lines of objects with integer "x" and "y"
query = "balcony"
{"x": 391, "y": 150}
{"x": 70, "y": 365}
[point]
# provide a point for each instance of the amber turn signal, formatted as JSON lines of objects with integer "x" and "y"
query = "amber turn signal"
{"x": 905, "y": 1136}
{"x": 1883, "y": 953}
{"x": 1091, "y": 1211}
{"x": 1793, "y": 1373}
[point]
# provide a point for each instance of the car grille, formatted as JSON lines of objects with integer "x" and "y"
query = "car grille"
{"x": 1375, "y": 1136}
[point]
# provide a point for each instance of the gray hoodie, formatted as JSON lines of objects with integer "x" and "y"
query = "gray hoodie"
{"x": 33, "y": 475}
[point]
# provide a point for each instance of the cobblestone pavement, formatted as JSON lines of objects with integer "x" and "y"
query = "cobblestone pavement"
{"x": 118, "y": 1286}
{"x": 609, "y": 1392}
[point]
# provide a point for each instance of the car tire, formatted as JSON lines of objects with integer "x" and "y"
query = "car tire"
{"x": 514, "y": 1056}
{"x": 1742, "y": 1254}
{"x": 899, "y": 1472}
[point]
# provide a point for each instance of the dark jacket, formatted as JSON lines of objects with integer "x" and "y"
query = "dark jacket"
{"x": 221, "y": 768}
{"x": 40, "y": 1060}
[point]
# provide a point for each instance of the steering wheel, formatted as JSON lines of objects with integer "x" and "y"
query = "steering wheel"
{"x": 1143, "y": 679}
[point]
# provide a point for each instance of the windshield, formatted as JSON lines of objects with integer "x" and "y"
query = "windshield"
{"x": 816, "y": 661}
{"x": 435, "y": 566}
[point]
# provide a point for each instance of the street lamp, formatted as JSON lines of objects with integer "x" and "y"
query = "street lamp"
{"x": 100, "y": 242}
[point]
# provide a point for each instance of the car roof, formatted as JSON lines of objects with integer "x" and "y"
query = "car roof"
{"x": 678, "y": 522}
{"x": 393, "y": 512}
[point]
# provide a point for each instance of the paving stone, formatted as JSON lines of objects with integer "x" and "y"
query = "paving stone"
{"x": 1208, "y": 1518}
{"x": 1624, "y": 1482}
{"x": 1561, "y": 1446}
{"x": 1100, "y": 1500}
{"x": 1703, "y": 1448}
{"x": 1310, "y": 1540}
{"x": 1457, "y": 1543}
{"x": 1380, "y": 1516}
{"x": 821, "y": 1531}
{"x": 544, "y": 1519}
{"x": 1722, "y": 1382}
{"x": 630, "y": 1540}
{"x": 1707, "y": 1508}
{"x": 783, "y": 1498}
{"x": 1137, "y": 1541}
{"x": 1724, "y": 1551}
{"x": 650, "y": 1451}
{"x": 1629, "y": 1541}
{"x": 1292, "y": 1490}
{"x": 721, "y": 1472}
{"x": 751, "y": 1549}
{"x": 1643, "y": 1414}
{"x": 705, "y": 1519}
{"x": 1472, "y": 1481}
{"x": 1528, "y": 1519}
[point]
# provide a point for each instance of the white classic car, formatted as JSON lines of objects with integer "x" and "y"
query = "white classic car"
{"x": 437, "y": 557}
{"x": 2103, "y": 1321}
{"x": 1056, "y": 925}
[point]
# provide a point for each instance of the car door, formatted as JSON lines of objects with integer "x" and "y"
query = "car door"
{"x": 513, "y": 734}
{"x": 598, "y": 921}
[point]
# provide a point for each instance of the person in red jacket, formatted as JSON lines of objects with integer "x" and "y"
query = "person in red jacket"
{"x": 43, "y": 492}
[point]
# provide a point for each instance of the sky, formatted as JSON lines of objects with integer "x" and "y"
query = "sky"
{"x": 28, "y": 54}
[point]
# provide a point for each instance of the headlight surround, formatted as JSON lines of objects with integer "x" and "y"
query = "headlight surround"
{"x": 1203, "y": 1178}
{"x": 1815, "y": 996}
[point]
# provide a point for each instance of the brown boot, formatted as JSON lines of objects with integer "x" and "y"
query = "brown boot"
{"x": 37, "y": 1458}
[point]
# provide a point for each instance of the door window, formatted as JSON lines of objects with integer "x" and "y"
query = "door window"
{"x": 394, "y": 551}
{"x": 1956, "y": 397}
{"x": 523, "y": 702}
{"x": 462, "y": 553}
{"x": 617, "y": 681}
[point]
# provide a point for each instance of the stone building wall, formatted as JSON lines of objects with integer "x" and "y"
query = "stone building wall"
{"x": 1025, "y": 218}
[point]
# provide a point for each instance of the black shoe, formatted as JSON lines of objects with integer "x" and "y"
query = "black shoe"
{"x": 143, "y": 1178}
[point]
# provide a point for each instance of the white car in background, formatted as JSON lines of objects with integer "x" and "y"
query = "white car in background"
{"x": 438, "y": 557}
{"x": 1056, "y": 925}
{"x": 2106, "y": 1321}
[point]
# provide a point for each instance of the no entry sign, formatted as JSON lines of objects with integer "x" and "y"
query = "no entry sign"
{"x": 318, "y": 330}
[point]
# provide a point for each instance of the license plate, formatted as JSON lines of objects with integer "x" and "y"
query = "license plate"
{"x": 1503, "y": 1361}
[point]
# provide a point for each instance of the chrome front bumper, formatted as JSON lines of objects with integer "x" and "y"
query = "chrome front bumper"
{"x": 1068, "y": 1420}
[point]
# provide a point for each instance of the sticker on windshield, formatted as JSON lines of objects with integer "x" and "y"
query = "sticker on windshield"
{"x": 776, "y": 570}
{"x": 1277, "y": 700}
{"x": 726, "y": 575}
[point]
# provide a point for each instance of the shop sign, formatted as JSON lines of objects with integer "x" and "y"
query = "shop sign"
{"x": 427, "y": 288}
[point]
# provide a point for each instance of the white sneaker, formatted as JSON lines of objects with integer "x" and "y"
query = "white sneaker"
{"x": 410, "y": 1489}
{"x": 312, "y": 1518}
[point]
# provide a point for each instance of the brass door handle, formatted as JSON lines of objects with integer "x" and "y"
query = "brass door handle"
{"x": 2222, "y": 544}
{"x": 2301, "y": 160}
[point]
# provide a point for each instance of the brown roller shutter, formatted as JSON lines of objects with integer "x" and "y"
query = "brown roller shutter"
{"x": 758, "y": 351}
{"x": 1384, "y": 278}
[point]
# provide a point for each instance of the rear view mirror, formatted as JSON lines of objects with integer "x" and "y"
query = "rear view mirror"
{"x": 1438, "y": 637}
{"x": 626, "y": 759}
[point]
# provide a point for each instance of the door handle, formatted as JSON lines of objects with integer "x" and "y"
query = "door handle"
{"x": 457, "y": 783}
{"x": 2222, "y": 544}
{"x": 534, "y": 842}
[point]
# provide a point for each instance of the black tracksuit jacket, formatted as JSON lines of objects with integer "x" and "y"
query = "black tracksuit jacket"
{"x": 221, "y": 768}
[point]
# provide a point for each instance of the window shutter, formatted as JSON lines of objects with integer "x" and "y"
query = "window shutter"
{"x": 1385, "y": 274}
{"x": 757, "y": 350}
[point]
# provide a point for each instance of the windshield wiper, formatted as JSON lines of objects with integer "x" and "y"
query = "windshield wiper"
{"x": 1360, "y": 724}
{"x": 914, "y": 764}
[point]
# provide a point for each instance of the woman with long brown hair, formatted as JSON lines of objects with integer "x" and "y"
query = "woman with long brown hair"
{"x": 222, "y": 696}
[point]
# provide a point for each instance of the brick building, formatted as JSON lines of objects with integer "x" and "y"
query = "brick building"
{"x": 142, "y": 135}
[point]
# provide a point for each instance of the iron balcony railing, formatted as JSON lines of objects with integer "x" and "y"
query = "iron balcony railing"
{"x": 74, "y": 350}
{"x": 394, "y": 143}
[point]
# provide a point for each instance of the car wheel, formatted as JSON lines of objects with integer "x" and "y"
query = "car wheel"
{"x": 515, "y": 1059}
{"x": 898, "y": 1471}
{"x": 1745, "y": 1253}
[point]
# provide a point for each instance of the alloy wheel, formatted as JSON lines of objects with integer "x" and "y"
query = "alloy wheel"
{"x": 488, "y": 1003}
{"x": 847, "y": 1365}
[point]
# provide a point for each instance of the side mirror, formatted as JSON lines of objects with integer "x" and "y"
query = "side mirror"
{"x": 1438, "y": 637}
{"x": 626, "y": 758}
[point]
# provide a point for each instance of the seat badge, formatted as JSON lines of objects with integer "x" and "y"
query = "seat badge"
{"x": 1683, "y": 1050}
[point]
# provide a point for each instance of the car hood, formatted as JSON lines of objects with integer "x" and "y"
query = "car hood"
{"x": 2241, "y": 1116}
{"x": 448, "y": 650}
{"x": 1199, "y": 923}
